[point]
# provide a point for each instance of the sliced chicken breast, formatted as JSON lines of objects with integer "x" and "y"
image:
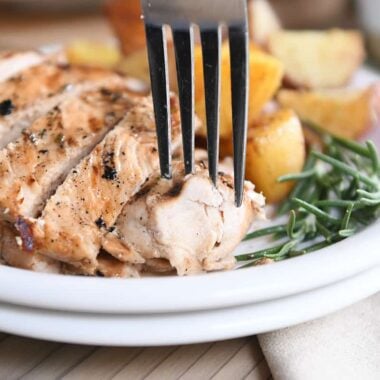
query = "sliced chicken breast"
{"x": 13, "y": 62}
{"x": 107, "y": 266}
{"x": 85, "y": 207}
{"x": 13, "y": 255}
{"x": 34, "y": 165}
{"x": 36, "y": 90}
{"x": 187, "y": 221}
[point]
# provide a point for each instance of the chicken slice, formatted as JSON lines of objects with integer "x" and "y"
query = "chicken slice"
{"x": 13, "y": 62}
{"x": 36, "y": 90}
{"x": 32, "y": 167}
{"x": 14, "y": 256}
{"x": 107, "y": 266}
{"x": 187, "y": 221}
{"x": 76, "y": 218}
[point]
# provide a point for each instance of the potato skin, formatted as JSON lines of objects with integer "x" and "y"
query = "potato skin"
{"x": 275, "y": 147}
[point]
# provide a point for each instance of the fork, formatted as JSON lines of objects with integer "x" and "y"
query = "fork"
{"x": 209, "y": 15}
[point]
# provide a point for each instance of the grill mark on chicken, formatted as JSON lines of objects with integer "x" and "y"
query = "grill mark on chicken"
{"x": 36, "y": 90}
{"x": 37, "y": 162}
{"x": 67, "y": 229}
{"x": 155, "y": 225}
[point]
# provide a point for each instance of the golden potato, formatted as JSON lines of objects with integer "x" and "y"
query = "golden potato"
{"x": 347, "y": 112}
{"x": 125, "y": 19}
{"x": 318, "y": 59}
{"x": 275, "y": 147}
{"x": 136, "y": 65}
{"x": 265, "y": 79}
{"x": 92, "y": 54}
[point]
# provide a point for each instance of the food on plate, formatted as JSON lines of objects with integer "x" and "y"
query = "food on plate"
{"x": 337, "y": 194}
{"x": 155, "y": 224}
{"x": 92, "y": 53}
{"x": 128, "y": 24}
{"x": 16, "y": 257}
{"x": 136, "y": 65}
{"x": 265, "y": 79}
{"x": 34, "y": 91}
{"x": 85, "y": 206}
{"x": 13, "y": 62}
{"x": 32, "y": 166}
{"x": 80, "y": 185}
{"x": 344, "y": 112}
{"x": 275, "y": 146}
{"x": 318, "y": 59}
{"x": 263, "y": 21}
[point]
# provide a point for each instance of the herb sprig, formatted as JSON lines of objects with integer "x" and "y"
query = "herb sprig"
{"x": 336, "y": 194}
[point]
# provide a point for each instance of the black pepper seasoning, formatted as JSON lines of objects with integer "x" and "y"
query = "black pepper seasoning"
{"x": 100, "y": 223}
{"x": 6, "y": 107}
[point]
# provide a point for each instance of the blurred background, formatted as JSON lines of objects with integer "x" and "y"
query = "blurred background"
{"x": 31, "y": 23}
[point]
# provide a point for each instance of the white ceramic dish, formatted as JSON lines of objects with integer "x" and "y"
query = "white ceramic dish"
{"x": 173, "y": 310}
{"x": 208, "y": 291}
{"x": 190, "y": 327}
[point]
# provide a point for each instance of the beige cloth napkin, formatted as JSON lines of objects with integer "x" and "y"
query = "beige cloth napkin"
{"x": 344, "y": 345}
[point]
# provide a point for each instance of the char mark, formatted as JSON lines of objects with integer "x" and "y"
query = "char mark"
{"x": 26, "y": 234}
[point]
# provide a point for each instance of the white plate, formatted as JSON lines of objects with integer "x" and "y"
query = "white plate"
{"x": 208, "y": 291}
{"x": 138, "y": 306}
{"x": 191, "y": 327}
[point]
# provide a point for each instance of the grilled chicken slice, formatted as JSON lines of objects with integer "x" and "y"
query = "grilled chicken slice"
{"x": 36, "y": 90}
{"x": 14, "y": 256}
{"x": 107, "y": 266}
{"x": 13, "y": 62}
{"x": 85, "y": 207}
{"x": 186, "y": 221}
{"x": 34, "y": 165}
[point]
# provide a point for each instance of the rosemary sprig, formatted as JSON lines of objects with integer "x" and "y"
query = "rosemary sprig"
{"x": 335, "y": 195}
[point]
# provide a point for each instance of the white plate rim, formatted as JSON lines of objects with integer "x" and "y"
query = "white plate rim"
{"x": 177, "y": 294}
{"x": 186, "y": 328}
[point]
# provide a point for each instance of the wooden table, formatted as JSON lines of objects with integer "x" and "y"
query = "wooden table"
{"x": 22, "y": 358}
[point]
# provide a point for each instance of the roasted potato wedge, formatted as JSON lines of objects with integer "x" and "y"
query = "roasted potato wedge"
{"x": 265, "y": 79}
{"x": 347, "y": 112}
{"x": 275, "y": 147}
{"x": 125, "y": 18}
{"x": 136, "y": 65}
{"x": 92, "y": 53}
{"x": 318, "y": 59}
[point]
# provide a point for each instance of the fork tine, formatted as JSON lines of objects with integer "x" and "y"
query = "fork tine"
{"x": 211, "y": 40}
{"x": 238, "y": 36}
{"x": 183, "y": 43}
{"x": 158, "y": 67}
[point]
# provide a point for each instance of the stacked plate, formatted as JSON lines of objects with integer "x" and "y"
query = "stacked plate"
{"x": 174, "y": 310}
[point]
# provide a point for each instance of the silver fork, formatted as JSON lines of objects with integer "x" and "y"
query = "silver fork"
{"x": 209, "y": 16}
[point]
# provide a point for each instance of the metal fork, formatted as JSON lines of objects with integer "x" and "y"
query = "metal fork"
{"x": 209, "y": 16}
